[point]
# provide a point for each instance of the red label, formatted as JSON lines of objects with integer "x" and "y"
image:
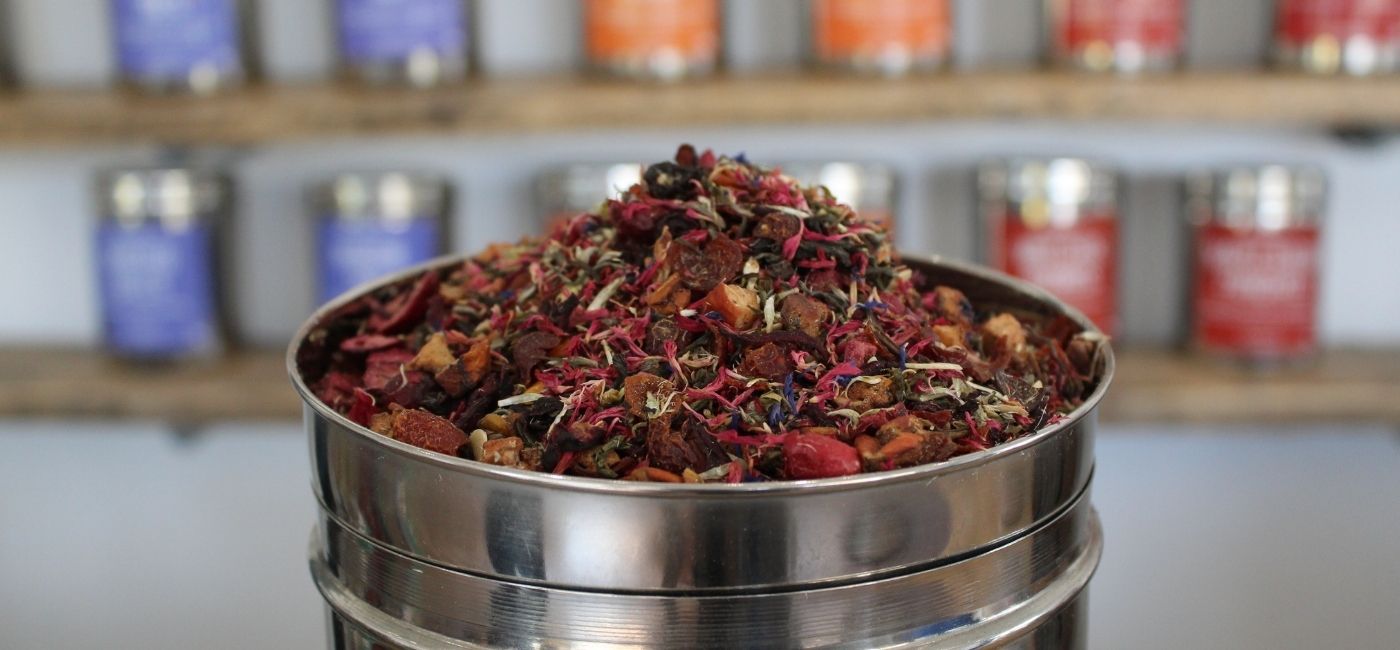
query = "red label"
{"x": 1301, "y": 21}
{"x": 1256, "y": 291}
{"x": 1078, "y": 263}
{"x": 1155, "y": 25}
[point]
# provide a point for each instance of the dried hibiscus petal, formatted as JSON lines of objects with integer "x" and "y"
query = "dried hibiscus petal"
{"x": 407, "y": 308}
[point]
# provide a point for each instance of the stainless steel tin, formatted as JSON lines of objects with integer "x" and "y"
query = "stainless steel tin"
{"x": 174, "y": 200}
{"x": 869, "y": 188}
{"x": 577, "y": 533}
{"x": 603, "y": 55}
{"x": 1122, "y": 55}
{"x": 1263, "y": 197}
{"x": 564, "y": 191}
{"x": 208, "y": 79}
{"x": 894, "y": 58}
{"x": 1026, "y": 593}
{"x": 422, "y": 68}
{"x": 1353, "y": 42}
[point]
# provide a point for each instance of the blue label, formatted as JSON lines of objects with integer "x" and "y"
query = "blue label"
{"x": 157, "y": 288}
{"x": 163, "y": 39}
{"x": 387, "y": 30}
{"x": 352, "y": 252}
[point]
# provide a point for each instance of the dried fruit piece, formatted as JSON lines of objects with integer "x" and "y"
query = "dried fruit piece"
{"x": 423, "y": 429}
{"x": 1006, "y": 329}
{"x": 530, "y": 349}
{"x": 777, "y": 227}
{"x": 769, "y": 361}
{"x": 864, "y": 395}
{"x": 434, "y": 356}
{"x": 804, "y": 314}
{"x": 953, "y": 305}
{"x": 648, "y": 395}
{"x": 737, "y": 305}
{"x": 811, "y": 456}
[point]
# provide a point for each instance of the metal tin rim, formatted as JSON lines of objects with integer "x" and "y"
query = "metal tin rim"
{"x": 690, "y": 490}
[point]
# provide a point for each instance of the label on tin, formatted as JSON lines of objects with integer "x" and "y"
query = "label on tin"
{"x": 351, "y": 252}
{"x": 163, "y": 39}
{"x": 628, "y": 30}
{"x": 1301, "y": 21}
{"x": 157, "y": 287}
{"x": 873, "y": 29}
{"x": 1256, "y": 291}
{"x": 1154, "y": 25}
{"x": 390, "y": 30}
{"x": 1077, "y": 263}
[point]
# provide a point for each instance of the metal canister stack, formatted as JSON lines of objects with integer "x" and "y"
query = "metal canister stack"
{"x": 419, "y": 550}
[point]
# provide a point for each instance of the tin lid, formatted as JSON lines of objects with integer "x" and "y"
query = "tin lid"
{"x": 1059, "y": 189}
{"x": 390, "y": 195}
{"x": 1264, "y": 196}
{"x": 170, "y": 194}
{"x": 863, "y": 186}
{"x": 582, "y": 186}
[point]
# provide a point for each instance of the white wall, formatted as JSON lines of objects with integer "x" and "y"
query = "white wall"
{"x": 46, "y": 278}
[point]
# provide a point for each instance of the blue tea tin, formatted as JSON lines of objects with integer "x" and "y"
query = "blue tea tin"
{"x": 413, "y": 42}
{"x": 370, "y": 224}
{"x": 181, "y": 45}
{"x": 157, "y": 258}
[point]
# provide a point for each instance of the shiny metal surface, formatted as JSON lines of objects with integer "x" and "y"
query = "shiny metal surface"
{"x": 382, "y": 195}
{"x": 1058, "y": 189}
{"x": 1265, "y": 196}
{"x": 173, "y": 196}
{"x": 574, "y": 532}
{"x": 1026, "y": 593}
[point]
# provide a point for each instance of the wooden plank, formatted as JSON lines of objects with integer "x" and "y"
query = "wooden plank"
{"x": 275, "y": 113}
{"x": 1339, "y": 386}
{"x": 1348, "y": 386}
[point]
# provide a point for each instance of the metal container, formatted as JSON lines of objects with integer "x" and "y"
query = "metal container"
{"x": 566, "y": 191}
{"x": 883, "y": 37}
{"x": 1029, "y": 592}
{"x": 403, "y": 42}
{"x": 1123, "y": 36}
{"x": 8, "y": 78}
{"x": 1054, "y": 221}
{"x": 183, "y": 46}
{"x": 369, "y": 224}
{"x": 419, "y": 548}
{"x": 869, "y": 188}
{"x": 159, "y": 256}
{"x": 663, "y": 40}
{"x": 1337, "y": 36}
{"x": 1257, "y": 241}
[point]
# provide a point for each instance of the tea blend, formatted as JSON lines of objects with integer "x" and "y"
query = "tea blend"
{"x": 718, "y": 322}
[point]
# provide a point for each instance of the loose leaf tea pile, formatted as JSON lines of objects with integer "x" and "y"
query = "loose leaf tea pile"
{"x": 718, "y": 323}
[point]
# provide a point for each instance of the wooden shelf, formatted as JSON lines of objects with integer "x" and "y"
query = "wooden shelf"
{"x": 1350, "y": 386}
{"x": 275, "y": 113}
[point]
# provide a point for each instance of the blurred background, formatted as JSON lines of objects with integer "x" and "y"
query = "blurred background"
{"x": 183, "y": 181}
